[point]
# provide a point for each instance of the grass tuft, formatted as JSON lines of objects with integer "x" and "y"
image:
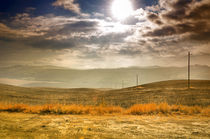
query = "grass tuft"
{"x": 137, "y": 109}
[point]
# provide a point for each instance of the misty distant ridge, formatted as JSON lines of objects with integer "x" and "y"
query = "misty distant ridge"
{"x": 59, "y": 67}
{"x": 52, "y": 66}
{"x": 52, "y": 76}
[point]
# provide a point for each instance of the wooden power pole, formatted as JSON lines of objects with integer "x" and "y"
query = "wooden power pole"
{"x": 189, "y": 70}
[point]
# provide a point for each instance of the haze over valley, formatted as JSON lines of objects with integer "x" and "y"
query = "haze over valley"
{"x": 50, "y": 76}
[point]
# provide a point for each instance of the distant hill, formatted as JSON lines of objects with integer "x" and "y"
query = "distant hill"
{"x": 50, "y": 76}
{"x": 172, "y": 92}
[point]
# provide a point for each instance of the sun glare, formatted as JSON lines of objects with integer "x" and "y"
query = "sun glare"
{"x": 121, "y": 9}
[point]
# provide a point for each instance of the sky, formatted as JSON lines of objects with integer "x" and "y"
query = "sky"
{"x": 87, "y": 34}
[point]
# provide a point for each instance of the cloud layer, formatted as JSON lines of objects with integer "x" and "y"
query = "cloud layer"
{"x": 68, "y": 5}
{"x": 189, "y": 18}
{"x": 152, "y": 34}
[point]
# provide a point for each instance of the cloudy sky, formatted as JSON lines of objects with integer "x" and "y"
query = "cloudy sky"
{"x": 86, "y": 34}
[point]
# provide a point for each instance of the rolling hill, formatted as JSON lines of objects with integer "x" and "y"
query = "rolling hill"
{"x": 50, "y": 76}
{"x": 172, "y": 92}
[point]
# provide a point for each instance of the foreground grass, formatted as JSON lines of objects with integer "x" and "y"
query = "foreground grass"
{"x": 138, "y": 109}
{"x": 51, "y": 126}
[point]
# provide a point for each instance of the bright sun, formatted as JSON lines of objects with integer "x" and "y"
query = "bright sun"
{"x": 121, "y": 9}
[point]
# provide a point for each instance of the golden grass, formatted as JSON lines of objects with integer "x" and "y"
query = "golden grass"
{"x": 60, "y": 109}
{"x": 137, "y": 109}
{"x": 164, "y": 108}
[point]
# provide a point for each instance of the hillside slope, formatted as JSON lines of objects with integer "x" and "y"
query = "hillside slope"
{"x": 172, "y": 92}
{"x": 49, "y": 76}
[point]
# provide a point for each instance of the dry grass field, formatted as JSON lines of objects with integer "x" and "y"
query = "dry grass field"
{"x": 19, "y": 125}
{"x": 171, "y": 92}
{"x": 165, "y": 109}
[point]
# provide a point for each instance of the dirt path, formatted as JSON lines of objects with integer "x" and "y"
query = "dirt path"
{"x": 14, "y": 125}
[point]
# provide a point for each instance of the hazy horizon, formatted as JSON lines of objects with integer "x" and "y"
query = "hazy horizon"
{"x": 51, "y": 76}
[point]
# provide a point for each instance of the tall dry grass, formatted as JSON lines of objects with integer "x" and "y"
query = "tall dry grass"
{"x": 164, "y": 108}
{"x": 137, "y": 109}
{"x": 61, "y": 109}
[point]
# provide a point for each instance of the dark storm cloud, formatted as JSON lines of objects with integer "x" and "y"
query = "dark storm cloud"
{"x": 198, "y": 28}
{"x": 154, "y": 18}
{"x": 188, "y": 17}
{"x": 164, "y": 31}
{"x": 51, "y": 32}
{"x": 31, "y": 39}
{"x": 188, "y": 9}
{"x": 47, "y": 32}
{"x": 202, "y": 11}
{"x": 179, "y": 9}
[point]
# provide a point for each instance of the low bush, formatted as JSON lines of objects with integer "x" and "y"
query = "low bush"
{"x": 137, "y": 109}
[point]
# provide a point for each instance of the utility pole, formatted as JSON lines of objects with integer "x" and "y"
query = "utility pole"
{"x": 189, "y": 70}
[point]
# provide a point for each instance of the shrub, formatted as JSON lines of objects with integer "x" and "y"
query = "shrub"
{"x": 137, "y": 109}
{"x": 164, "y": 108}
